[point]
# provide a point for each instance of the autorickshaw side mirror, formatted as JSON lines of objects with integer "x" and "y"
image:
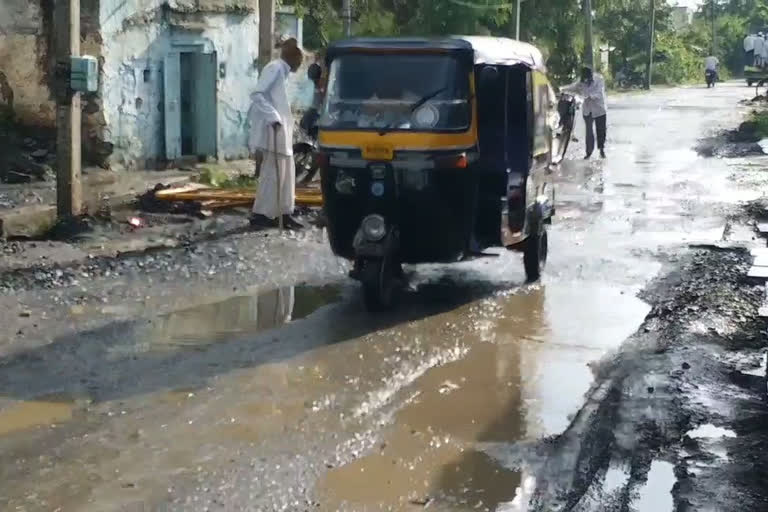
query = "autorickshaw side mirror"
{"x": 488, "y": 76}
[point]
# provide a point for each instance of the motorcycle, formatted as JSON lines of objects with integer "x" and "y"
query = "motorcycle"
{"x": 711, "y": 77}
{"x": 566, "y": 108}
{"x": 305, "y": 150}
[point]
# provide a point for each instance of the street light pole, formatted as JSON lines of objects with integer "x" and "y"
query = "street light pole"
{"x": 714, "y": 33}
{"x": 649, "y": 64}
{"x": 346, "y": 8}
{"x": 589, "y": 52}
{"x": 517, "y": 21}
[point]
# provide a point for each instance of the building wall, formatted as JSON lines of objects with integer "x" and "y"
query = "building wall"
{"x": 123, "y": 124}
{"x": 681, "y": 17}
{"x": 24, "y": 61}
{"x": 136, "y": 42}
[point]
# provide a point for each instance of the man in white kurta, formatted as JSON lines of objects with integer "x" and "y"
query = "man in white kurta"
{"x": 271, "y": 134}
{"x": 759, "y": 45}
{"x": 749, "y": 50}
{"x": 591, "y": 88}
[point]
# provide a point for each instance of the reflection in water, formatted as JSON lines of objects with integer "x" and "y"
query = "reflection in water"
{"x": 433, "y": 451}
{"x": 523, "y": 496}
{"x": 656, "y": 494}
{"x": 26, "y": 415}
{"x": 250, "y": 314}
{"x": 460, "y": 440}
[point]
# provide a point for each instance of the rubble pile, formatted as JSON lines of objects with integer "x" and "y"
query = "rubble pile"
{"x": 26, "y": 159}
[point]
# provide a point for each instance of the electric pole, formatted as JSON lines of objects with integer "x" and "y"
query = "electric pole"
{"x": 347, "y": 15}
{"x": 266, "y": 31}
{"x": 68, "y": 113}
{"x": 651, "y": 37}
{"x": 714, "y": 32}
{"x": 517, "y": 21}
{"x": 589, "y": 52}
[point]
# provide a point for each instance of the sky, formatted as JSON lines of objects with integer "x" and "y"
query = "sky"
{"x": 692, "y": 4}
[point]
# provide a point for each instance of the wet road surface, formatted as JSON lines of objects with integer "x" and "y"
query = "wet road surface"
{"x": 295, "y": 399}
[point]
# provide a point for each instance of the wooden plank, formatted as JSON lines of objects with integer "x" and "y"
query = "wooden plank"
{"x": 309, "y": 200}
{"x": 212, "y": 205}
{"x": 160, "y": 194}
{"x": 222, "y": 198}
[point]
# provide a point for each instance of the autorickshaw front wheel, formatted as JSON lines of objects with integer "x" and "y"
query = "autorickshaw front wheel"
{"x": 535, "y": 253}
{"x": 380, "y": 278}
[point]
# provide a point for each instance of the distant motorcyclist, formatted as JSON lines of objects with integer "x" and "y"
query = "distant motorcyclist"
{"x": 710, "y": 70}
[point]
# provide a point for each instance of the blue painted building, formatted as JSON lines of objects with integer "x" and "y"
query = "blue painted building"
{"x": 175, "y": 76}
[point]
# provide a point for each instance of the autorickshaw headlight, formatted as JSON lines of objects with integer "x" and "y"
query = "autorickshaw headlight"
{"x": 374, "y": 227}
{"x": 426, "y": 116}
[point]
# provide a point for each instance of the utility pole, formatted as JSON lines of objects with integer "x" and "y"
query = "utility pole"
{"x": 347, "y": 15}
{"x": 517, "y": 21}
{"x": 68, "y": 113}
{"x": 266, "y": 31}
{"x": 589, "y": 52}
{"x": 651, "y": 37}
{"x": 714, "y": 32}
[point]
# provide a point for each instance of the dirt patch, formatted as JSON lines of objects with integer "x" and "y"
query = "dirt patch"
{"x": 695, "y": 365}
{"x": 28, "y": 155}
{"x": 739, "y": 142}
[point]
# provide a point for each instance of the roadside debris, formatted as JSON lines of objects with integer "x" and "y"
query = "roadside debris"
{"x": 220, "y": 179}
{"x": 201, "y": 200}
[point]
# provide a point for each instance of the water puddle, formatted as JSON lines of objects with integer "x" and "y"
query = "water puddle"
{"x": 710, "y": 431}
{"x": 616, "y": 479}
{"x": 656, "y": 494}
{"x": 760, "y": 370}
{"x": 460, "y": 422}
{"x": 247, "y": 314}
{"x": 26, "y": 415}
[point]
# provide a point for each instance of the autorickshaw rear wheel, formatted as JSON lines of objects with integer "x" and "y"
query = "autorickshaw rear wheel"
{"x": 380, "y": 281}
{"x": 535, "y": 252}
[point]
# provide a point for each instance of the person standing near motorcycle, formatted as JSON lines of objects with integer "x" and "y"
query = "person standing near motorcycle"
{"x": 271, "y": 134}
{"x": 710, "y": 70}
{"x": 306, "y": 162}
{"x": 591, "y": 88}
{"x": 749, "y": 50}
{"x": 759, "y": 47}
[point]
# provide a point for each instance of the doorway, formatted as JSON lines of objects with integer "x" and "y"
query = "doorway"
{"x": 190, "y": 105}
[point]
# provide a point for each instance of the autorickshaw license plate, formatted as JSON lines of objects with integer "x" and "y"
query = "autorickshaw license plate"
{"x": 378, "y": 152}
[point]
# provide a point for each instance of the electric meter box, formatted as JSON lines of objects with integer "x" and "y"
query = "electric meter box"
{"x": 84, "y": 74}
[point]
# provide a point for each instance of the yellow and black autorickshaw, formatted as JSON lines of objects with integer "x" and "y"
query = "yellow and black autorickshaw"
{"x": 433, "y": 150}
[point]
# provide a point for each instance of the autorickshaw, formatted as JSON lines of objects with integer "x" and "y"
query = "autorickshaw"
{"x": 433, "y": 150}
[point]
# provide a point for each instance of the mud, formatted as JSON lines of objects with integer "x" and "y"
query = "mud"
{"x": 674, "y": 409}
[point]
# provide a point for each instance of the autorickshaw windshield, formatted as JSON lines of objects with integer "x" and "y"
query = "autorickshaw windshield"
{"x": 412, "y": 92}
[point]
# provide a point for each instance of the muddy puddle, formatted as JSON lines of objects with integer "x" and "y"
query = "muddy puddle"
{"x": 456, "y": 441}
{"x": 20, "y": 416}
{"x": 656, "y": 494}
{"x": 246, "y": 314}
